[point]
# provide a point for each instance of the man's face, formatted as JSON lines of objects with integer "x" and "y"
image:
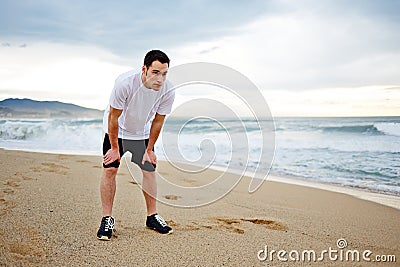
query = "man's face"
{"x": 155, "y": 75}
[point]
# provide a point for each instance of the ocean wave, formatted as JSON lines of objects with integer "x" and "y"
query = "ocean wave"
{"x": 371, "y": 129}
{"x": 23, "y": 129}
{"x": 389, "y": 128}
{"x": 385, "y": 128}
{"x": 366, "y": 126}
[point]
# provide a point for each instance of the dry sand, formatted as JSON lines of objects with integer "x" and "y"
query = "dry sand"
{"x": 50, "y": 211}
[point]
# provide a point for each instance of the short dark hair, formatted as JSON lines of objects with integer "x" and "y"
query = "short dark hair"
{"x": 155, "y": 55}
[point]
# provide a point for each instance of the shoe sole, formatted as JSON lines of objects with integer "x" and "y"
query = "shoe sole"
{"x": 104, "y": 238}
{"x": 154, "y": 229}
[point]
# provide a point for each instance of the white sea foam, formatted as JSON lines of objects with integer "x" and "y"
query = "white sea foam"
{"x": 389, "y": 128}
{"x": 67, "y": 136}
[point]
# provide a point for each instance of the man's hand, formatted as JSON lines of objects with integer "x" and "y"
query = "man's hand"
{"x": 111, "y": 156}
{"x": 149, "y": 156}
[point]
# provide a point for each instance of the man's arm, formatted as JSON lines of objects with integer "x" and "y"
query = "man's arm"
{"x": 155, "y": 130}
{"x": 113, "y": 153}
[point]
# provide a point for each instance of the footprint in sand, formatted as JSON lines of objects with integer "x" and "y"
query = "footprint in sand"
{"x": 273, "y": 225}
{"x": 9, "y": 188}
{"x": 194, "y": 226}
{"x": 8, "y": 191}
{"x": 182, "y": 227}
{"x": 172, "y": 223}
{"x": 51, "y": 167}
{"x": 83, "y": 161}
{"x": 231, "y": 224}
{"x": 28, "y": 247}
{"x": 13, "y": 183}
{"x": 172, "y": 197}
{"x": 5, "y": 205}
{"x": 22, "y": 175}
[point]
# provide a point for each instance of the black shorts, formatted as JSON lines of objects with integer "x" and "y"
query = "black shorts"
{"x": 136, "y": 147}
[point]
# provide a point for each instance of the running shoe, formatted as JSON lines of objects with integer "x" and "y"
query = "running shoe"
{"x": 106, "y": 228}
{"x": 157, "y": 223}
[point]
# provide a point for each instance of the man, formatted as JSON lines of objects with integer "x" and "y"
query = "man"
{"x": 135, "y": 100}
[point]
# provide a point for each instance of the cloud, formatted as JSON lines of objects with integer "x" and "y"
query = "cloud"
{"x": 208, "y": 50}
{"x": 280, "y": 45}
{"x": 82, "y": 75}
{"x": 124, "y": 26}
{"x": 291, "y": 44}
{"x": 10, "y": 45}
{"x": 313, "y": 44}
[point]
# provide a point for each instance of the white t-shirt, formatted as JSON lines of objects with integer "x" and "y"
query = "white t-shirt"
{"x": 138, "y": 104}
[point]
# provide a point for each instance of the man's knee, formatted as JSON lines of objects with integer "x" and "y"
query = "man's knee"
{"x": 110, "y": 172}
{"x": 147, "y": 174}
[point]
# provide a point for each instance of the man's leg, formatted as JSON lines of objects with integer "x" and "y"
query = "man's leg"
{"x": 107, "y": 189}
{"x": 107, "y": 193}
{"x": 149, "y": 188}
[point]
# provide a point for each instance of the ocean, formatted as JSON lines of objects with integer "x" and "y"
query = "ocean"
{"x": 360, "y": 153}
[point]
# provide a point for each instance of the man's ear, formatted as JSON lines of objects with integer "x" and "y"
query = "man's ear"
{"x": 144, "y": 68}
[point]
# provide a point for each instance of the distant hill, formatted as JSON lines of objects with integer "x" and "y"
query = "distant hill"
{"x": 28, "y": 108}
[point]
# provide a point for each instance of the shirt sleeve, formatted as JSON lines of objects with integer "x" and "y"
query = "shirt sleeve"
{"x": 119, "y": 95}
{"x": 167, "y": 100}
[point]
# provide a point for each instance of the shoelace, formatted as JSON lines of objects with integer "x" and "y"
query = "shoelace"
{"x": 160, "y": 220}
{"x": 109, "y": 224}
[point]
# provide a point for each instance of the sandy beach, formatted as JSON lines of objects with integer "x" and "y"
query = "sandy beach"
{"x": 50, "y": 211}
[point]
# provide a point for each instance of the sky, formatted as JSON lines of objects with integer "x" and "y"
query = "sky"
{"x": 307, "y": 58}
